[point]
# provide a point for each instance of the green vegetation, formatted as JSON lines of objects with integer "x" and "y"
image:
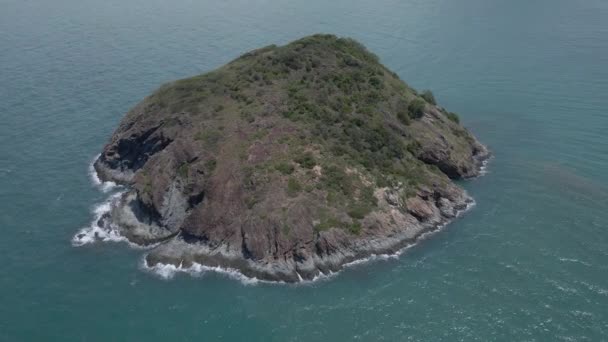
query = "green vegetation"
{"x": 285, "y": 168}
{"x": 343, "y": 105}
{"x": 359, "y": 211}
{"x": 293, "y": 187}
{"x": 319, "y": 101}
{"x": 306, "y": 160}
{"x": 247, "y": 116}
{"x": 182, "y": 170}
{"x": 332, "y": 222}
{"x": 404, "y": 116}
{"x": 428, "y": 96}
{"x": 454, "y": 117}
{"x": 147, "y": 184}
{"x": 334, "y": 178}
{"x": 250, "y": 201}
{"x": 416, "y": 108}
{"x": 210, "y": 164}
{"x": 328, "y": 223}
{"x": 209, "y": 136}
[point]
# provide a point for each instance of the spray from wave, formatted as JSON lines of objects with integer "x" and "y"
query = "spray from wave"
{"x": 96, "y": 231}
{"x": 483, "y": 169}
{"x": 105, "y": 187}
{"x": 168, "y": 271}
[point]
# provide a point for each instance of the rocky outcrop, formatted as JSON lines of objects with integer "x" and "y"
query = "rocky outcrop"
{"x": 286, "y": 163}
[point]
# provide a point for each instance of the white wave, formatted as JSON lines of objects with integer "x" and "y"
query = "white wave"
{"x": 579, "y": 313}
{"x": 483, "y": 169}
{"x": 572, "y": 260}
{"x": 375, "y": 257}
{"x": 168, "y": 271}
{"x": 101, "y": 185}
{"x": 594, "y": 288}
{"x": 94, "y": 232}
{"x": 107, "y": 233}
{"x": 562, "y": 287}
{"x": 320, "y": 277}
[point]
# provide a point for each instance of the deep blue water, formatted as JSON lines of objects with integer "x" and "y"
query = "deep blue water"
{"x": 528, "y": 263}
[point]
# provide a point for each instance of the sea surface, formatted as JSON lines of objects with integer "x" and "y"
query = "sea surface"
{"x": 528, "y": 263}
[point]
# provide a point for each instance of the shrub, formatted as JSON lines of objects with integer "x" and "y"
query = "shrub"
{"x": 209, "y": 136}
{"x": 288, "y": 58}
{"x": 328, "y": 223}
{"x": 293, "y": 187}
{"x": 428, "y": 96}
{"x": 367, "y": 196}
{"x": 453, "y": 116}
{"x": 247, "y": 116}
{"x": 375, "y": 82}
{"x": 251, "y": 201}
{"x": 355, "y": 228}
{"x": 335, "y": 178}
{"x": 306, "y": 160}
{"x": 416, "y": 108}
{"x": 183, "y": 170}
{"x": 403, "y": 116}
{"x": 350, "y": 61}
{"x": 211, "y": 164}
{"x": 358, "y": 211}
{"x": 332, "y": 222}
{"x": 285, "y": 168}
{"x": 414, "y": 147}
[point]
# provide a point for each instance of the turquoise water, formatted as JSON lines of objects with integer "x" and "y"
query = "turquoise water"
{"x": 528, "y": 263}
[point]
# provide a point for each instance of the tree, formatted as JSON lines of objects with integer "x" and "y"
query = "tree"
{"x": 428, "y": 96}
{"x": 416, "y": 108}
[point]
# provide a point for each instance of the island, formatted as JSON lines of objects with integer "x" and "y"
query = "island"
{"x": 287, "y": 163}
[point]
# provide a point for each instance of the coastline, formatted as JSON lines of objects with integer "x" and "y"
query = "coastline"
{"x": 167, "y": 271}
{"x": 390, "y": 248}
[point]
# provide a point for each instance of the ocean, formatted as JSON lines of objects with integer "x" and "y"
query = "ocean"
{"x": 528, "y": 263}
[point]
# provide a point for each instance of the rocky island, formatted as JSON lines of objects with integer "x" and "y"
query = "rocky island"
{"x": 287, "y": 163}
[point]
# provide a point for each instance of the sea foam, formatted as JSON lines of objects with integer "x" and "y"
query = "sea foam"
{"x": 94, "y": 232}
{"x": 483, "y": 169}
{"x": 168, "y": 271}
{"x": 101, "y": 185}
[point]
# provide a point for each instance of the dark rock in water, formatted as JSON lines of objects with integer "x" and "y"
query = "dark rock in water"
{"x": 286, "y": 163}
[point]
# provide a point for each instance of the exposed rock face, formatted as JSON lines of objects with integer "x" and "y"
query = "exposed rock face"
{"x": 286, "y": 163}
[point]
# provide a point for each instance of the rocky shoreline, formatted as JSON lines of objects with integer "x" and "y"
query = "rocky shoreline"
{"x": 168, "y": 270}
{"x": 185, "y": 257}
{"x": 184, "y": 252}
